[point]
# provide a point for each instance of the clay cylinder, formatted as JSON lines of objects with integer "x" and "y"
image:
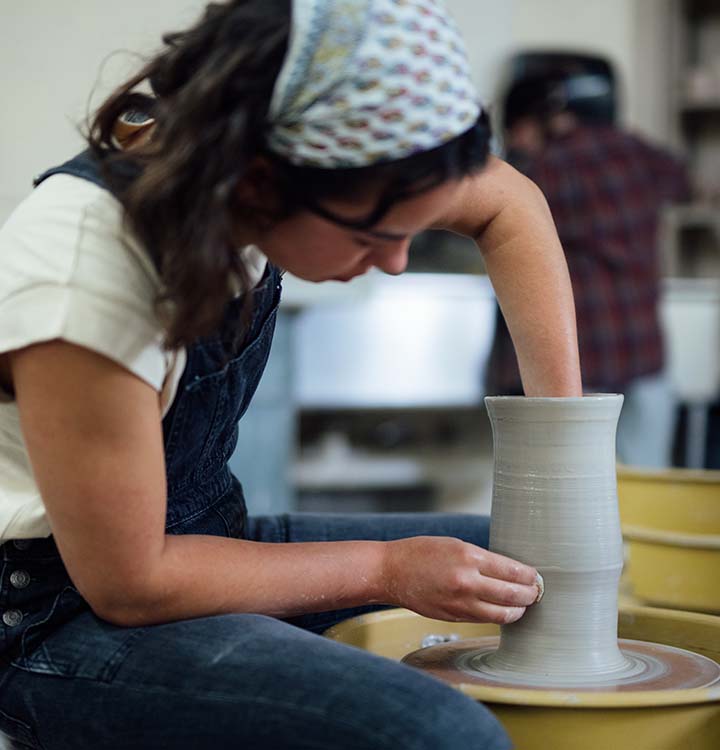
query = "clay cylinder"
{"x": 555, "y": 507}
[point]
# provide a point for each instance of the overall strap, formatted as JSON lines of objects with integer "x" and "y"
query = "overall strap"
{"x": 84, "y": 165}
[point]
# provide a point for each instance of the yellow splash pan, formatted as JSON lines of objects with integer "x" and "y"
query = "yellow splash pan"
{"x": 571, "y": 719}
{"x": 680, "y": 500}
{"x": 671, "y": 526}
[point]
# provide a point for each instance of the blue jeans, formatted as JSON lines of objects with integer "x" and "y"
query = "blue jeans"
{"x": 238, "y": 680}
{"x": 647, "y": 422}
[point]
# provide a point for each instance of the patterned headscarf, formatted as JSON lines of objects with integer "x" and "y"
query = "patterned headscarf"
{"x": 369, "y": 81}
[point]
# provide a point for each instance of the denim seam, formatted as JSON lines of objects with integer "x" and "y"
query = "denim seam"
{"x": 114, "y": 663}
{"x": 48, "y": 660}
{"x": 55, "y": 668}
{"x": 224, "y": 522}
{"x": 26, "y": 729}
{"x": 199, "y": 474}
{"x": 13, "y": 720}
{"x": 197, "y": 381}
{"x": 201, "y": 511}
{"x": 36, "y": 663}
{"x": 36, "y": 625}
{"x": 38, "y": 667}
{"x": 196, "y": 475}
{"x": 206, "y": 471}
{"x": 238, "y": 359}
{"x": 178, "y": 416}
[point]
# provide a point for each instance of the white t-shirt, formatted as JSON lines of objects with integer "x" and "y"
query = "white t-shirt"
{"x": 71, "y": 270}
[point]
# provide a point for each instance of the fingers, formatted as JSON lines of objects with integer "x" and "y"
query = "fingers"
{"x": 510, "y": 594}
{"x": 506, "y": 569}
{"x": 487, "y": 612}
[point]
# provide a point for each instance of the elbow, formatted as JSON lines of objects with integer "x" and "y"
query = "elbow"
{"x": 535, "y": 195}
{"x": 125, "y": 605}
{"x": 521, "y": 204}
{"x": 115, "y": 612}
{"x": 124, "y": 614}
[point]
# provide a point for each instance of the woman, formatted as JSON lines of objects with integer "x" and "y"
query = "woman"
{"x": 141, "y": 606}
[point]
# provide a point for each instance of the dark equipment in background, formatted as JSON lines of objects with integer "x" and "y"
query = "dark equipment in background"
{"x": 585, "y": 84}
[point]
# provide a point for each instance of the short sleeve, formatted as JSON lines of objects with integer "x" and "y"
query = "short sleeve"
{"x": 71, "y": 270}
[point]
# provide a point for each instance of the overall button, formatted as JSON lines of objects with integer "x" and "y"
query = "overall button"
{"x": 12, "y": 617}
{"x": 22, "y": 543}
{"x": 20, "y": 579}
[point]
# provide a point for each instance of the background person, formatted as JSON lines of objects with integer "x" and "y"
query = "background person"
{"x": 606, "y": 189}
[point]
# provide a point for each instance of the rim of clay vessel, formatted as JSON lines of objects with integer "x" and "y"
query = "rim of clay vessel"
{"x": 557, "y": 399}
{"x": 670, "y": 538}
{"x": 596, "y": 406}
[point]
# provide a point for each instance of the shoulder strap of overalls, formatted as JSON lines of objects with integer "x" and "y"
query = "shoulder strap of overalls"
{"x": 84, "y": 165}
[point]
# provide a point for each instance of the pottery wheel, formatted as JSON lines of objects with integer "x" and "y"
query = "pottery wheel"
{"x": 650, "y": 666}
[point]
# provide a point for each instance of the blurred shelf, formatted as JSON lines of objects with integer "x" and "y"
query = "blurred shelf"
{"x": 334, "y": 463}
{"x": 694, "y": 106}
{"x": 690, "y": 235}
{"x": 694, "y": 215}
{"x": 356, "y": 471}
{"x": 697, "y": 10}
{"x": 367, "y": 470}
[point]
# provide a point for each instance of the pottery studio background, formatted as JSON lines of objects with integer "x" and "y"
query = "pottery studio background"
{"x": 373, "y": 397}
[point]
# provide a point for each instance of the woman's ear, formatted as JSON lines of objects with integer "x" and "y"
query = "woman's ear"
{"x": 258, "y": 200}
{"x": 258, "y": 186}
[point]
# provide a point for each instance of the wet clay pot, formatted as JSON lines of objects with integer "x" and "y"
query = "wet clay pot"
{"x": 555, "y": 507}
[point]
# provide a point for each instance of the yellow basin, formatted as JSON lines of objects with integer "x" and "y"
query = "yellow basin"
{"x": 671, "y": 526}
{"x": 572, "y": 720}
{"x": 678, "y": 500}
{"x": 674, "y": 570}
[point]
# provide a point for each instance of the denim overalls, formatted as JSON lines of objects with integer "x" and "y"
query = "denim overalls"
{"x": 199, "y": 435}
{"x": 70, "y": 681}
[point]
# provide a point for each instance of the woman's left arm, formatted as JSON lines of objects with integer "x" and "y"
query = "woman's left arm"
{"x": 509, "y": 219}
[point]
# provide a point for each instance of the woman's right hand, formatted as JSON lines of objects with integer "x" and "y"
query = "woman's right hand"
{"x": 448, "y": 579}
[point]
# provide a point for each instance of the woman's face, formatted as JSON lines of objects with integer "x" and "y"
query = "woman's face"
{"x": 316, "y": 249}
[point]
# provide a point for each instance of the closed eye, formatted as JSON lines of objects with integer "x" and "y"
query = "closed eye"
{"x": 363, "y": 242}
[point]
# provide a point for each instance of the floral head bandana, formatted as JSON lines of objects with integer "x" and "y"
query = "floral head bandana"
{"x": 368, "y": 81}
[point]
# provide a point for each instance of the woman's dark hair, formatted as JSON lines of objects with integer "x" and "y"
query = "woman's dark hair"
{"x": 211, "y": 90}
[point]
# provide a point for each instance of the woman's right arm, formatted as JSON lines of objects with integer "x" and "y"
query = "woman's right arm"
{"x": 94, "y": 436}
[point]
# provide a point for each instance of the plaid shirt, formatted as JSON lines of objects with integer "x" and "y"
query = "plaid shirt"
{"x": 605, "y": 189}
